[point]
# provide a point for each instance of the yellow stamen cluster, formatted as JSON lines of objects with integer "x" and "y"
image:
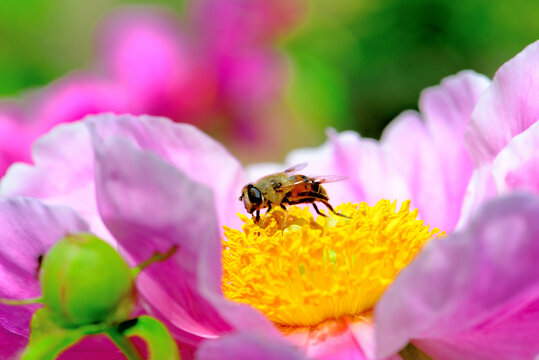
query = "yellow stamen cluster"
{"x": 317, "y": 270}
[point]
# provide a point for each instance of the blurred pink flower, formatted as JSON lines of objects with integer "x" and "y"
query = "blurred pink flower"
{"x": 16, "y": 137}
{"x": 206, "y": 71}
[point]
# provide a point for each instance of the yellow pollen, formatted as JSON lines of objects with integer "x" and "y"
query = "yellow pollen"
{"x": 323, "y": 269}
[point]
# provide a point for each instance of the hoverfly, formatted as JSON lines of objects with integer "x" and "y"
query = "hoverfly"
{"x": 287, "y": 188}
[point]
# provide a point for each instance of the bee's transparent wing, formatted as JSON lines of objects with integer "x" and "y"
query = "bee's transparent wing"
{"x": 315, "y": 179}
{"x": 327, "y": 178}
{"x": 296, "y": 168}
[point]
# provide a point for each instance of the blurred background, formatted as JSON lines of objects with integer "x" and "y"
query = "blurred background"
{"x": 262, "y": 76}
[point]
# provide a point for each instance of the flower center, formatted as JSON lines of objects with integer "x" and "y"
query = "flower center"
{"x": 323, "y": 269}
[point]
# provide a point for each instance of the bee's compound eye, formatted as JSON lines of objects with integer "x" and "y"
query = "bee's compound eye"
{"x": 255, "y": 196}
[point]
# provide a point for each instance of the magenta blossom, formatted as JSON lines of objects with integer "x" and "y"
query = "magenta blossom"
{"x": 150, "y": 63}
{"x": 16, "y": 137}
{"x": 146, "y": 183}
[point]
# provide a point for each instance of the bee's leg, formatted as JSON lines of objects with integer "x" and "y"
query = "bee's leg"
{"x": 317, "y": 210}
{"x": 257, "y": 217}
{"x": 285, "y": 217}
{"x": 331, "y": 208}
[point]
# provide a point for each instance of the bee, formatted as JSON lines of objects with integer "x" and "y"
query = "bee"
{"x": 287, "y": 188}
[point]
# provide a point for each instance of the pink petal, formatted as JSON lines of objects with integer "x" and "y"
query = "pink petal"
{"x": 491, "y": 343}
{"x": 11, "y": 344}
{"x": 63, "y": 174}
{"x": 480, "y": 189}
{"x": 517, "y": 166}
{"x": 372, "y": 175}
{"x": 93, "y": 347}
{"x": 29, "y": 228}
{"x": 437, "y": 174}
{"x": 75, "y": 96}
{"x": 243, "y": 24}
{"x": 188, "y": 149}
{"x": 251, "y": 78}
{"x": 16, "y": 138}
{"x": 507, "y": 108}
{"x": 470, "y": 288}
{"x": 334, "y": 340}
{"x": 448, "y": 106}
{"x": 131, "y": 184}
{"x": 430, "y": 152}
{"x": 247, "y": 346}
{"x": 145, "y": 51}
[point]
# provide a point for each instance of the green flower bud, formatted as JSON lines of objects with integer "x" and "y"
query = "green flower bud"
{"x": 85, "y": 281}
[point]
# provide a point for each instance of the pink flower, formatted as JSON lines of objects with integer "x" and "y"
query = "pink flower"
{"x": 150, "y": 63}
{"x": 145, "y": 183}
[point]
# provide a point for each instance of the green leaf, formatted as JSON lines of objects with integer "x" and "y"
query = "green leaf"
{"x": 161, "y": 346}
{"x": 47, "y": 340}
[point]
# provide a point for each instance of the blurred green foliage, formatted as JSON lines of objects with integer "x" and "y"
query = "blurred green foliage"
{"x": 356, "y": 64}
{"x": 42, "y": 40}
{"x": 360, "y": 63}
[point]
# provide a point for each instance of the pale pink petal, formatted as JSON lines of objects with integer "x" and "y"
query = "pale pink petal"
{"x": 320, "y": 160}
{"x": 258, "y": 170}
{"x": 371, "y": 173}
{"x": 492, "y": 341}
{"x": 517, "y": 166}
{"x": 421, "y": 162}
{"x": 448, "y": 106}
{"x": 63, "y": 174}
{"x": 188, "y": 149}
{"x": 429, "y": 148}
{"x": 149, "y": 205}
{"x": 247, "y": 346}
{"x": 474, "y": 286}
{"x": 28, "y": 230}
{"x": 334, "y": 340}
{"x": 507, "y": 108}
{"x": 363, "y": 331}
{"x": 480, "y": 189}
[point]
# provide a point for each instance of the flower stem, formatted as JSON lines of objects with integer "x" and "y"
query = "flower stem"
{"x": 124, "y": 344}
{"x": 156, "y": 257}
